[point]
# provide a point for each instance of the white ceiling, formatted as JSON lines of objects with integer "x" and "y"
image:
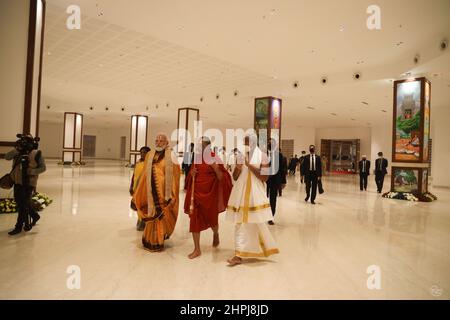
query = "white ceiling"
{"x": 145, "y": 54}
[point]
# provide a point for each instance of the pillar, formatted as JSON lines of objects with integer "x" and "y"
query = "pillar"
{"x": 267, "y": 120}
{"x": 21, "y": 37}
{"x": 187, "y": 131}
{"x": 138, "y": 136}
{"x": 72, "y": 138}
{"x": 410, "y": 140}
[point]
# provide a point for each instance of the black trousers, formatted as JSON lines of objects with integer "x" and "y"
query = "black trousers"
{"x": 272, "y": 193}
{"x": 311, "y": 185}
{"x": 22, "y": 196}
{"x": 363, "y": 181}
{"x": 379, "y": 180}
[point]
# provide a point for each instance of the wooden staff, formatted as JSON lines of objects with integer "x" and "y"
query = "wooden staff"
{"x": 191, "y": 207}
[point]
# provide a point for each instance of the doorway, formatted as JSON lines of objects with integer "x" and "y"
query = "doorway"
{"x": 89, "y": 146}
{"x": 123, "y": 143}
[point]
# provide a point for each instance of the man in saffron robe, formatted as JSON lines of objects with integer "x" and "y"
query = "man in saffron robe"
{"x": 208, "y": 190}
{"x": 157, "y": 194}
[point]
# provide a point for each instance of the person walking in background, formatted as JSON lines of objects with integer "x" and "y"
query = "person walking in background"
{"x": 137, "y": 173}
{"x": 364, "y": 171}
{"x": 302, "y": 172}
{"x": 381, "y": 165}
{"x": 293, "y": 165}
{"x": 312, "y": 166}
{"x": 188, "y": 159}
{"x": 277, "y": 176}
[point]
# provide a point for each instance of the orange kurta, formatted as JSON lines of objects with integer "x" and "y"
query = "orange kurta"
{"x": 157, "y": 205}
{"x": 210, "y": 196}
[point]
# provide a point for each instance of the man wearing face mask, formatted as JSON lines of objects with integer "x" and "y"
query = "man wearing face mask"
{"x": 157, "y": 194}
{"x": 277, "y": 177}
{"x": 381, "y": 165}
{"x": 312, "y": 168}
{"x": 364, "y": 169}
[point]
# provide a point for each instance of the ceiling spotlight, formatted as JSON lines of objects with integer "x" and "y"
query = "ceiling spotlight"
{"x": 123, "y": 109}
{"x": 167, "y": 105}
{"x": 444, "y": 45}
{"x": 324, "y": 80}
{"x": 333, "y": 114}
{"x": 146, "y": 108}
{"x": 217, "y": 96}
{"x": 91, "y": 108}
{"x": 357, "y": 76}
{"x": 311, "y": 108}
{"x": 156, "y": 106}
{"x": 106, "y": 108}
{"x": 295, "y": 84}
{"x": 201, "y": 99}
{"x": 366, "y": 103}
{"x": 341, "y": 28}
{"x": 236, "y": 93}
{"x": 416, "y": 59}
{"x": 48, "y": 107}
{"x": 383, "y": 110}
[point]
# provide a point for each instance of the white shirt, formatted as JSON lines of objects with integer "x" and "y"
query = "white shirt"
{"x": 312, "y": 162}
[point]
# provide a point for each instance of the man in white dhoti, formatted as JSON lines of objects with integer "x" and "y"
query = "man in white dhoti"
{"x": 248, "y": 206}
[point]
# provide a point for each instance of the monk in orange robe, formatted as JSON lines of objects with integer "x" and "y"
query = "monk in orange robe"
{"x": 157, "y": 195}
{"x": 208, "y": 187}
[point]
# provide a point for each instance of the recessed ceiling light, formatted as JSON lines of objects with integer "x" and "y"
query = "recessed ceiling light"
{"x": 311, "y": 108}
{"x": 366, "y": 103}
{"x": 398, "y": 44}
{"x": 272, "y": 12}
{"x": 341, "y": 28}
{"x": 333, "y": 114}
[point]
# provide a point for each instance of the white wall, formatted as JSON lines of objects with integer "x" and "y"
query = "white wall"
{"x": 51, "y": 143}
{"x": 440, "y": 133}
{"x": 362, "y": 133}
{"x": 107, "y": 141}
{"x": 382, "y": 141}
{"x": 303, "y": 137}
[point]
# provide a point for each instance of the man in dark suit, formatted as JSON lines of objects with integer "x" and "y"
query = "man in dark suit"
{"x": 312, "y": 167}
{"x": 188, "y": 159}
{"x": 364, "y": 171}
{"x": 302, "y": 173}
{"x": 380, "y": 171}
{"x": 277, "y": 177}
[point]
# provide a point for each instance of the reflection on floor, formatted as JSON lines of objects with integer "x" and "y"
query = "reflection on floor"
{"x": 326, "y": 249}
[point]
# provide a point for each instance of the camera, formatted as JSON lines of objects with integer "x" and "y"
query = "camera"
{"x": 27, "y": 143}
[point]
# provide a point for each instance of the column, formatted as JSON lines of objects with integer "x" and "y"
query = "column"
{"x": 267, "y": 120}
{"x": 410, "y": 140}
{"x": 21, "y": 38}
{"x": 187, "y": 131}
{"x": 138, "y": 136}
{"x": 72, "y": 138}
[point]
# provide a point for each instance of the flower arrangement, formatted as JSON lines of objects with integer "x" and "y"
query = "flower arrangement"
{"x": 39, "y": 202}
{"x": 8, "y": 206}
{"x": 401, "y": 196}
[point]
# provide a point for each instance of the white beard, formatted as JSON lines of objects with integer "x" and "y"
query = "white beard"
{"x": 159, "y": 149}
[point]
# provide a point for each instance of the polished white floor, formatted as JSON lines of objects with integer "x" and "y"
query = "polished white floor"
{"x": 325, "y": 249}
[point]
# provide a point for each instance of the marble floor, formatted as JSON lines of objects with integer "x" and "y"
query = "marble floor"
{"x": 326, "y": 249}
